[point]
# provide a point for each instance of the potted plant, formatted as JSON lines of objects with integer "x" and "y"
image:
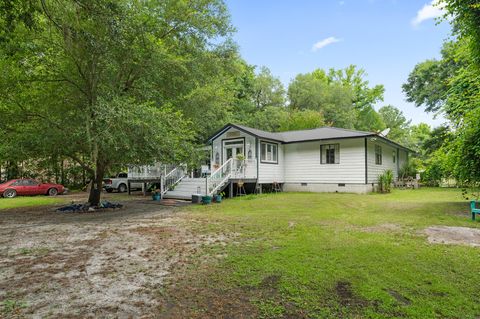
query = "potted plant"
{"x": 156, "y": 194}
{"x": 219, "y": 196}
{"x": 206, "y": 199}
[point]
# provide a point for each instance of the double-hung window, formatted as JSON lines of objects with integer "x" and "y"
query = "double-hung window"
{"x": 378, "y": 155}
{"x": 330, "y": 154}
{"x": 269, "y": 152}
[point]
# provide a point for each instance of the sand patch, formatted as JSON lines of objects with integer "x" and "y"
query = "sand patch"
{"x": 453, "y": 235}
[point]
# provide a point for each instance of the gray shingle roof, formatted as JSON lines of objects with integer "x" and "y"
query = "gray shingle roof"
{"x": 322, "y": 133}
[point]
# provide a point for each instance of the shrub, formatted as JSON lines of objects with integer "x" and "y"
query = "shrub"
{"x": 408, "y": 169}
{"x": 385, "y": 181}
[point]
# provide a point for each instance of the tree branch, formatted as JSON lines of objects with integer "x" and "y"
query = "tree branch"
{"x": 45, "y": 10}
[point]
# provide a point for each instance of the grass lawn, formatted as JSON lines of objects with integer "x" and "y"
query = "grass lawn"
{"x": 30, "y": 201}
{"x": 335, "y": 256}
{"x": 75, "y": 196}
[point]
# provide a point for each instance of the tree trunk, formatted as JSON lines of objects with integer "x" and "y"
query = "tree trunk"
{"x": 96, "y": 189}
{"x": 12, "y": 170}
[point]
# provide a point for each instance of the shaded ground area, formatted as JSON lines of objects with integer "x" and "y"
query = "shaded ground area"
{"x": 108, "y": 264}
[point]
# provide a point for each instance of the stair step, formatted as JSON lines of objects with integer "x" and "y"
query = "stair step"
{"x": 177, "y": 196}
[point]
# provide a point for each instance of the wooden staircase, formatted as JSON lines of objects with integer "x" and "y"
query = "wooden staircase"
{"x": 186, "y": 188}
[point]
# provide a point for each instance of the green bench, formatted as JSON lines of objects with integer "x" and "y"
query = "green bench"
{"x": 474, "y": 209}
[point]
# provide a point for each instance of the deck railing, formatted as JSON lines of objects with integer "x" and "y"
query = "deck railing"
{"x": 232, "y": 168}
{"x": 149, "y": 171}
{"x": 219, "y": 177}
{"x": 173, "y": 177}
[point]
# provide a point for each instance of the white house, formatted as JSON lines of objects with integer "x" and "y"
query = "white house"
{"x": 325, "y": 159}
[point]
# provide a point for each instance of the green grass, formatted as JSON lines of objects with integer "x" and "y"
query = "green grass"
{"x": 346, "y": 255}
{"x": 30, "y": 201}
{"x": 12, "y": 306}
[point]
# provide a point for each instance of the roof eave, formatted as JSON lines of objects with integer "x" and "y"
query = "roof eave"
{"x": 230, "y": 125}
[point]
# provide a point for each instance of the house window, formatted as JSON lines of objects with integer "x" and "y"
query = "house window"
{"x": 394, "y": 156}
{"x": 217, "y": 158}
{"x": 378, "y": 155}
{"x": 330, "y": 154}
{"x": 269, "y": 152}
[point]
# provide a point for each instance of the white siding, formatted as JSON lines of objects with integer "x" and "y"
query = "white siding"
{"x": 269, "y": 172}
{"x": 218, "y": 147}
{"x": 302, "y": 163}
{"x": 388, "y": 152}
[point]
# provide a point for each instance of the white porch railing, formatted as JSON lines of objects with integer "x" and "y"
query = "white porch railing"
{"x": 219, "y": 177}
{"x": 149, "y": 171}
{"x": 232, "y": 168}
{"x": 173, "y": 177}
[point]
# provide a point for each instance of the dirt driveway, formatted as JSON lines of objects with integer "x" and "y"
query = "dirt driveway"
{"x": 110, "y": 264}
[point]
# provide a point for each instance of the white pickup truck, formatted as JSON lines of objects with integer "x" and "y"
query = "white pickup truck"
{"x": 119, "y": 183}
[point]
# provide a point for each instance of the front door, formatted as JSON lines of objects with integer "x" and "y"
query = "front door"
{"x": 233, "y": 149}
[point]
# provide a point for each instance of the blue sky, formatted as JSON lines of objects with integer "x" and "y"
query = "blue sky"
{"x": 385, "y": 37}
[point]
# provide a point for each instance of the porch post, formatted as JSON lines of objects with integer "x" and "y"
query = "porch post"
{"x": 162, "y": 185}
{"x": 206, "y": 185}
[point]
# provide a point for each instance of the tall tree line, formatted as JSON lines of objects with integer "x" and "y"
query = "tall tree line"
{"x": 451, "y": 86}
{"x": 108, "y": 83}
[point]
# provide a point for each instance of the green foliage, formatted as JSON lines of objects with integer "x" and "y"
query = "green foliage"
{"x": 465, "y": 150}
{"x": 108, "y": 84}
{"x": 471, "y": 193}
{"x": 354, "y": 79}
{"x": 311, "y": 92}
{"x": 343, "y": 96}
{"x": 466, "y": 23}
{"x": 394, "y": 119}
{"x": 268, "y": 90}
{"x": 419, "y": 133}
{"x": 385, "y": 181}
{"x": 436, "y": 168}
{"x": 302, "y": 120}
{"x": 408, "y": 169}
{"x": 426, "y": 85}
{"x": 369, "y": 120}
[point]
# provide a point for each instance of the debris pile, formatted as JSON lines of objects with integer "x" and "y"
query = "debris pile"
{"x": 84, "y": 208}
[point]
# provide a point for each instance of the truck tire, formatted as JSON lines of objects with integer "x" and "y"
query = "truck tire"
{"x": 122, "y": 188}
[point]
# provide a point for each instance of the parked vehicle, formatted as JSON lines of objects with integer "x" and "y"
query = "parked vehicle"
{"x": 29, "y": 186}
{"x": 119, "y": 183}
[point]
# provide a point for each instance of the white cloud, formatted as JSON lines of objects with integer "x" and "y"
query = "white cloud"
{"x": 321, "y": 44}
{"x": 429, "y": 11}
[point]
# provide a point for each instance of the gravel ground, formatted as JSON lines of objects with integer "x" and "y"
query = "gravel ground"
{"x": 110, "y": 264}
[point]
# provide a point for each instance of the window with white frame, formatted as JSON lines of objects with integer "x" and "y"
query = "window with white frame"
{"x": 269, "y": 152}
{"x": 330, "y": 154}
{"x": 378, "y": 155}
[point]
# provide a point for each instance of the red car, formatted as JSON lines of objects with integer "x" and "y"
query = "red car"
{"x": 29, "y": 186}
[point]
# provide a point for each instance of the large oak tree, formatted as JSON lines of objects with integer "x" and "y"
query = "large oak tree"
{"x": 102, "y": 82}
